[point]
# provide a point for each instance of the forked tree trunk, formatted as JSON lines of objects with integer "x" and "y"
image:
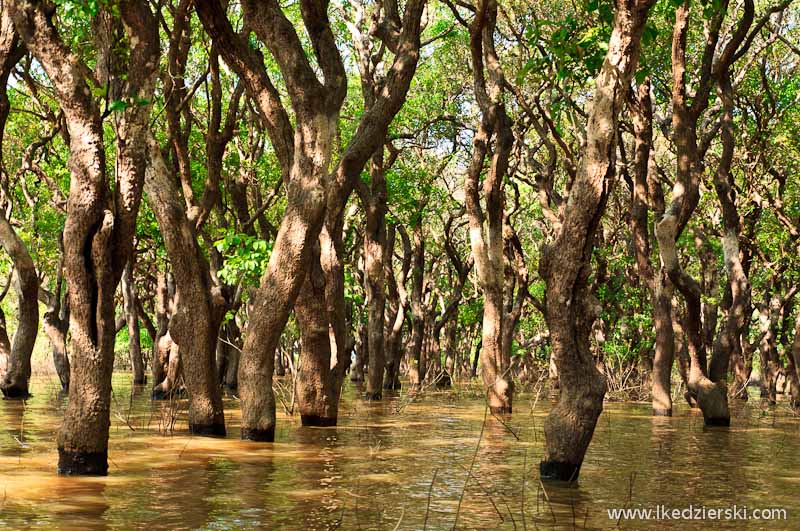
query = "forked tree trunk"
{"x": 304, "y": 154}
{"x": 565, "y": 265}
{"x": 710, "y": 393}
{"x": 99, "y": 229}
{"x": 486, "y": 227}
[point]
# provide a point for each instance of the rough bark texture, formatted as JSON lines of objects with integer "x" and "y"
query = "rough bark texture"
{"x": 399, "y": 302}
{"x": 728, "y": 344}
{"x": 304, "y": 154}
{"x": 374, "y": 272}
{"x": 711, "y": 394}
{"x": 416, "y": 371}
{"x": 198, "y": 309}
{"x": 319, "y": 376}
{"x": 162, "y": 304}
{"x": 486, "y": 226}
{"x": 167, "y": 352}
{"x": 565, "y": 266}
{"x": 132, "y": 320}
{"x": 646, "y": 193}
{"x": 16, "y": 362}
{"x": 55, "y": 322}
{"x": 99, "y": 229}
{"x": 26, "y": 285}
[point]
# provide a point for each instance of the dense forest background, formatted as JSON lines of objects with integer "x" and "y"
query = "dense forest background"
{"x": 596, "y": 195}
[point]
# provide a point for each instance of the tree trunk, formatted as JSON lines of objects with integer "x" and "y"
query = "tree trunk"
{"x": 100, "y": 224}
{"x": 374, "y": 273}
{"x": 169, "y": 359}
{"x": 399, "y": 301}
{"x": 565, "y": 265}
{"x": 228, "y": 350}
{"x": 645, "y": 184}
{"x": 417, "y": 314}
{"x": 317, "y": 385}
{"x": 5, "y": 344}
{"x": 163, "y": 303}
{"x": 132, "y": 320}
{"x": 793, "y": 364}
{"x": 26, "y": 285}
{"x": 199, "y": 303}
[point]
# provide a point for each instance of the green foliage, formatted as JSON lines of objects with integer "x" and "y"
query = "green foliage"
{"x": 246, "y": 257}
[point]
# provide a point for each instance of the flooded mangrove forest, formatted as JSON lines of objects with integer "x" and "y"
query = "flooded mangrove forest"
{"x": 419, "y": 264}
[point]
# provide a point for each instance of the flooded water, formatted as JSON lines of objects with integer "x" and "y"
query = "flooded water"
{"x": 400, "y": 464}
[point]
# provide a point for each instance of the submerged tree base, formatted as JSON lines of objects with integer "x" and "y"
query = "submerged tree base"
{"x": 252, "y": 434}
{"x": 216, "y": 429}
{"x": 377, "y": 395}
{"x": 391, "y": 386}
{"x": 718, "y": 421}
{"x": 500, "y": 410}
{"x": 662, "y": 412}
{"x": 558, "y": 471}
{"x": 15, "y": 393}
{"x": 158, "y": 394}
{"x": 317, "y": 421}
{"x": 82, "y": 463}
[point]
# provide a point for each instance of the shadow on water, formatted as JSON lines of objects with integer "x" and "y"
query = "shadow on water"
{"x": 404, "y": 463}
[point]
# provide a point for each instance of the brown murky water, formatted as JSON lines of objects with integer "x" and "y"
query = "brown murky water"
{"x": 400, "y": 464}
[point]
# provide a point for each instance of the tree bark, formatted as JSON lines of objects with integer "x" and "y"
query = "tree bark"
{"x": 98, "y": 232}
{"x": 132, "y": 320}
{"x": 26, "y": 285}
{"x": 374, "y": 272}
{"x": 565, "y": 265}
{"x": 399, "y": 302}
{"x": 646, "y": 191}
{"x": 486, "y": 227}
{"x": 199, "y": 304}
{"x": 415, "y": 370}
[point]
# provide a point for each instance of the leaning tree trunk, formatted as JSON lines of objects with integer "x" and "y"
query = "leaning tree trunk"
{"x": 132, "y": 320}
{"x": 199, "y": 304}
{"x": 565, "y": 265}
{"x": 26, "y": 285}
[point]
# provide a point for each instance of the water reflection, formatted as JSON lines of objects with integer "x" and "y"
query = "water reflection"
{"x": 400, "y": 463}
